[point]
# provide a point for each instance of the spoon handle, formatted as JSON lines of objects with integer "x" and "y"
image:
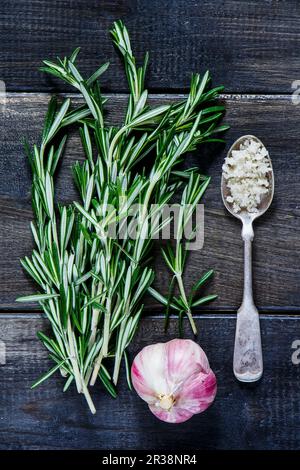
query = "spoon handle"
{"x": 247, "y": 358}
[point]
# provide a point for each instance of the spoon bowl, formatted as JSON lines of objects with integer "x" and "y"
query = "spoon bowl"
{"x": 265, "y": 200}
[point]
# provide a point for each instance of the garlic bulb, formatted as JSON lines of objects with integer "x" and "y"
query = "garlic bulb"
{"x": 175, "y": 379}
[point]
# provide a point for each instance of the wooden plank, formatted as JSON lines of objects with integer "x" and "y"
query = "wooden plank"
{"x": 248, "y": 46}
{"x": 262, "y": 416}
{"x": 277, "y": 243}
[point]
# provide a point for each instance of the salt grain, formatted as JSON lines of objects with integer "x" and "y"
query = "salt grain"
{"x": 246, "y": 174}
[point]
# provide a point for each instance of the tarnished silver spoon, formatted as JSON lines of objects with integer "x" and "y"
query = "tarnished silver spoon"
{"x": 247, "y": 358}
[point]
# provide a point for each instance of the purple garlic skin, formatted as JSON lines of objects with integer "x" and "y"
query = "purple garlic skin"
{"x": 175, "y": 379}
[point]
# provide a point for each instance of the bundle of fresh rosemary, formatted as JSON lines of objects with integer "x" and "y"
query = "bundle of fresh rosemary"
{"x": 91, "y": 270}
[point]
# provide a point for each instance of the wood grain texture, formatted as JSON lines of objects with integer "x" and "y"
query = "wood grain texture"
{"x": 277, "y": 241}
{"x": 248, "y": 46}
{"x": 264, "y": 416}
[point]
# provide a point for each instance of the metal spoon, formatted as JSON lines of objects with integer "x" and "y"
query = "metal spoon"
{"x": 247, "y": 358}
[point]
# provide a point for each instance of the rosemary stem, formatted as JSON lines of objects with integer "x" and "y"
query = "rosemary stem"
{"x": 73, "y": 359}
{"x": 113, "y": 144}
{"x": 188, "y": 310}
{"x": 95, "y": 318}
{"x": 88, "y": 374}
{"x": 119, "y": 353}
{"x": 117, "y": 368}
{"x": 94, "y": 323}
{"x": 106, "y": 333}
{"x": 96, "y": 368}
{"x": 63, "y": 372}
{"x": 88, "y": 398}
{"x": 104, "y": 349}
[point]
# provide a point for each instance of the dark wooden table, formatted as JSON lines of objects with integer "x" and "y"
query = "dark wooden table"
{"x": 253, "y": 48}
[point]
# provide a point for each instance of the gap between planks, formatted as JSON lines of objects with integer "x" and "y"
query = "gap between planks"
{"x": 198, "y": 316}
{"x": 178, "y": 94}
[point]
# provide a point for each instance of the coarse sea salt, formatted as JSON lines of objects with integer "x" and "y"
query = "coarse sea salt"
{"x": 246, "y": 173}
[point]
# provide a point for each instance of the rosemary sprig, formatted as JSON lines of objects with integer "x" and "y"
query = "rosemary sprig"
{"x": 57, "y": 264}
{"x": 176, "y": 259}
{"x": 92, "y": 281}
